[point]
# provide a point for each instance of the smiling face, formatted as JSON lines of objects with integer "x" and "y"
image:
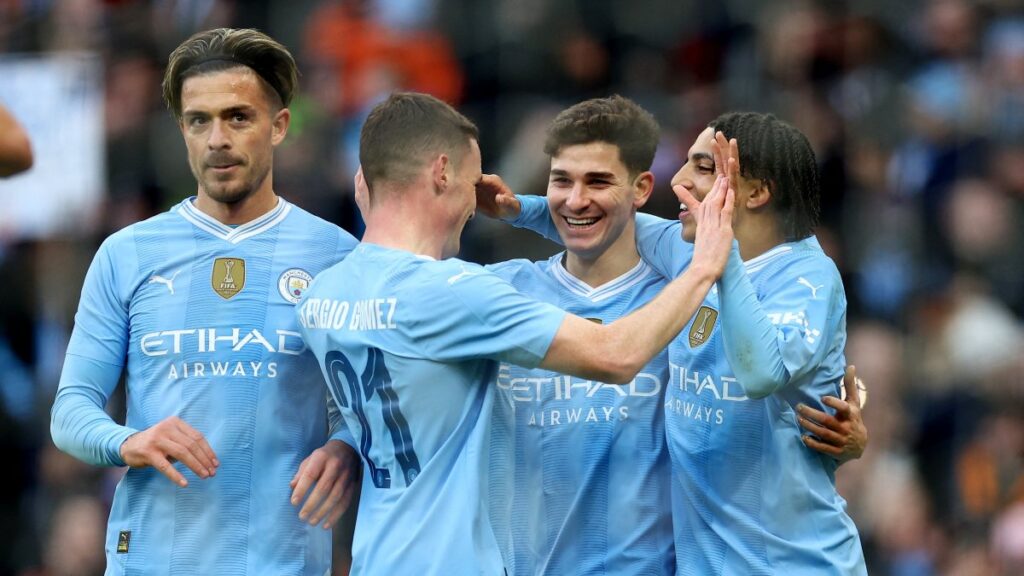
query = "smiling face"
{"x": 231, "y": 125}
{"x": 698, "y": 176}
{"x": 593, "y": 199}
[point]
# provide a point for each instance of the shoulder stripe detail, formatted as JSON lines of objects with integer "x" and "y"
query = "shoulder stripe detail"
{"x": 755, "y": 264}
{"x": 204, "y": 222}
{"x": 607, "y": 290}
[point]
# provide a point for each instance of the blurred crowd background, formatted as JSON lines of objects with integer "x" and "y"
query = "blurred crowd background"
{"x": 915, "y": 109}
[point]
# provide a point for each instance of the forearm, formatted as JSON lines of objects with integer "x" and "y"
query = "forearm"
{"x": 535, "y": 216}
{"x": 78, "y": 423}
{"x": 750, "y": 338}
{"x": 617, "y": 352}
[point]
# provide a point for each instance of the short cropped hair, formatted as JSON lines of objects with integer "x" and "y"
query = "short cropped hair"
{"x": 226, "y": 48}
{"x": 777, "y": 153}
{"x": 616, "y": 120}
{"x": 407, "y": 129}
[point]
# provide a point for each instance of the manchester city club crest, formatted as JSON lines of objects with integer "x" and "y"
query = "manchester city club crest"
{"x": 703, "y": 323}
{"x": 228, "y": 276}
{"x": 293, "y": 283}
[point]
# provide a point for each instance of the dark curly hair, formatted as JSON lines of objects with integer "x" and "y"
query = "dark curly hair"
{"x": 780, "y": 155}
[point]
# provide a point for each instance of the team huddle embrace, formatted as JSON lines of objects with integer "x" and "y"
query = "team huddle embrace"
{"x": 660, "y": 397}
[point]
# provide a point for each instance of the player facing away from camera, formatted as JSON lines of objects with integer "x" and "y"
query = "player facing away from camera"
{"x": 409, "y": 339}
{"x": 764, "y": 351}
{"x": 590, "y": 474}
{"x": 225, "y": 404}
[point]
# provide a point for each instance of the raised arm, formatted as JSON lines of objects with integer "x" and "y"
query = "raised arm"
{"x": 616, "y": 352}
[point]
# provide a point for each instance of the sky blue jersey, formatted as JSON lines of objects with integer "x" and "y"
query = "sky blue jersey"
{"x": 410, "y": 347}
{"x": 748, "y": 497}
{"x": 201, "y": 318}
{"x": 591, "y": 467}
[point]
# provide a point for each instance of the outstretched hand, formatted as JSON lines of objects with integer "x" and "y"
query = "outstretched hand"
{"x": 843, "y": 435}
{"x": 495, "y": 199}
{"x": 714, "y": 224}
{"x": 168, "y": 441}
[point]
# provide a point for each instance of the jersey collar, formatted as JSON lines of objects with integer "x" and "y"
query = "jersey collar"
{"x": 604, "y": 291}
{"x": 235, "y": 234}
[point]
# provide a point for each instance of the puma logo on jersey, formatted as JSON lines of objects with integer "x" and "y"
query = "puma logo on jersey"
{"x": 167, "y": 282}
{"x": 460, "y": 276}
{"x": 814, "y": 289}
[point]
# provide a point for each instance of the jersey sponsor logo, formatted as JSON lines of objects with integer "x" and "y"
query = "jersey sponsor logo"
{"x": 567, "y": 391}
{"x": 694, "y": 394}
{"x": 292, "y": 283}
{"x": 228, "y": 276}
{"x": 213, "y": 339}
{"x": 814, "y": 289}
{"x": 703, "y": 324}
{"x": 169, "y": 282}
{"x": 562, "y": 387}
{"x": 222, "y": 341}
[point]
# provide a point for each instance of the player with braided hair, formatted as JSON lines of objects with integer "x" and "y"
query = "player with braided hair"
{"x": 754, "y": 363}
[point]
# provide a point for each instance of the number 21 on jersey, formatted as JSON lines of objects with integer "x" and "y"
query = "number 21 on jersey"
{"x": 360, "y": 391}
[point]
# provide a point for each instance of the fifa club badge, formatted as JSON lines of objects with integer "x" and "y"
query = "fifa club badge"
{"x": 124, "y": 538}
{"x": 228, "y": 276}
{"x": 703, "y": 323}
{"x": 293, "y": 283}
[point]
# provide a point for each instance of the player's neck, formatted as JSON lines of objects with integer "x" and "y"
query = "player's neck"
{"x": 407, "y": 223}
{"x": 618, "y": 259}
{"x": 234, "y": 213}
{"x": 759, "y": 234}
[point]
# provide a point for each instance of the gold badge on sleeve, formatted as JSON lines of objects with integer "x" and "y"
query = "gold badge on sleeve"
{"x": 228, "y": 276}
{"x": 703, "y": 323}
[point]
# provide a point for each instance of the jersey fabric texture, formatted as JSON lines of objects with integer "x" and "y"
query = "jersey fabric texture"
{"x": 410, "y": 348}
{"x": 200, "y": 316}
{"x": 748, "y": 497}
{"x": 591, "y": 467}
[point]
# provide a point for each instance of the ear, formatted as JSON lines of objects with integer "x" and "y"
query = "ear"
{"x": 440, "y": 171}
{"x": 279, "y": 127}
{"x": 642, "y": 188}
{"x": 760, "y": 194}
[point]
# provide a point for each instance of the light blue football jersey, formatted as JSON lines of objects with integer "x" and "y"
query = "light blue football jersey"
{"x": 748, "y": 497}
{"x": 590, "y": 475}
{"x": 201, "y": 316}
{"x": 410, "y": 347}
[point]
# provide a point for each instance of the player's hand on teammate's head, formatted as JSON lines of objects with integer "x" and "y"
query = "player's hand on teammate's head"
{"x": 166, "y": 442}
{"x": 842, "y": 435}
{"x": 713, "y": 215}
{"x": 495, "y": 199}
{"x": 331, "y": 471}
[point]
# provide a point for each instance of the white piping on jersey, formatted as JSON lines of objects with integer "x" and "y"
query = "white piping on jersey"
{"x": 758, "y": 262}
{"x": 604, "y": 291}
{"x": 234, "y": 235}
